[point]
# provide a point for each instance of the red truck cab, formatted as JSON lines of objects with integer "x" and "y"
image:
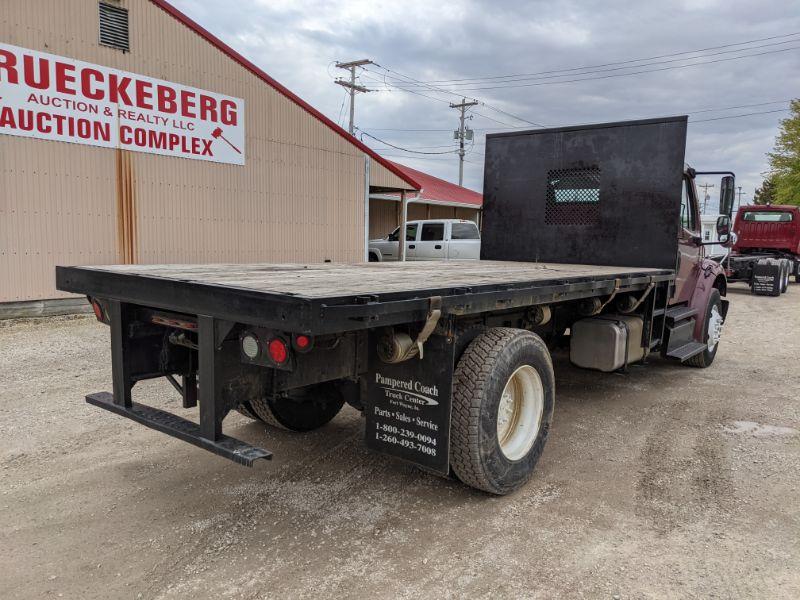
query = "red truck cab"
{"x": 768, "y": 228}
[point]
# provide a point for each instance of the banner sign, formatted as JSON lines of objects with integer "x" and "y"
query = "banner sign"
{"x": 54, "y": 98}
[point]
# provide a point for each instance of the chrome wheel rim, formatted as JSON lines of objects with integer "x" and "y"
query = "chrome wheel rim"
{"x": 715, "y": 322}
{"x": 519, "y": 414}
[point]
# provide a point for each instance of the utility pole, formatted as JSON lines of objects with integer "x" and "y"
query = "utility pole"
{"x": 461, "y": 134}
{"x": 739, "y": 193}
{"x": 705, "y": 187}
{"x": 352, "y": 86}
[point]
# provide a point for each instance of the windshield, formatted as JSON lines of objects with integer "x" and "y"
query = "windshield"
{"x": 767, "y": 216}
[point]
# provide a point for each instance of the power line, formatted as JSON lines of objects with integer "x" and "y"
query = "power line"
{"x": 580, "y": 79}
{"x": 704, "y": 110}
{"x": 696, "y": 111}
{"x": 765, "y": 112}
{"x": 630, "y": 61}
{"x": 341, "y": 108}
{"x": 400, "y": 147}
{"x": 440, "y": 90}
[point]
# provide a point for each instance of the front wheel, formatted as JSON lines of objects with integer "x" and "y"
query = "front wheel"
{"x": 301, "y": 410}
{"x": 712, "y": 333}
{"x": 503, "y": 397}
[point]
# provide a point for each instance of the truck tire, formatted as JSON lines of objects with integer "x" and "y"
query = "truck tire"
{"x": 787, "y": 269}
{"x": 301, "y": 410}
{"x": 712, "y": 331}
{"x": 503, "y": 397}
{"x": 245, "y": 409}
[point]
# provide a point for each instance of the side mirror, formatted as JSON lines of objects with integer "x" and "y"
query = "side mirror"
{"x": 727, "y": 193}
{"x": 724, "y": 229}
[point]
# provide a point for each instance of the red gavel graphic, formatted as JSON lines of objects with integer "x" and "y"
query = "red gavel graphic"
{"x": 217, "y": 134}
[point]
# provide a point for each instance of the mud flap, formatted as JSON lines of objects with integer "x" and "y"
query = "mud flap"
{"x": 408, "y": 406}
{"x": 766, "y": 279}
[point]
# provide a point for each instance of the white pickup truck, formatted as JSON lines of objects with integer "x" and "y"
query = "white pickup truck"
{"x": 439, "y": 239}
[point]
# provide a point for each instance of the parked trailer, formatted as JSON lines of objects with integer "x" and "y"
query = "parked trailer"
{"x": 449, "y": 362}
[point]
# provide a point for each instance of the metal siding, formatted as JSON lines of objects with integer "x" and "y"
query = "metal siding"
{"x": 381, "y": 177}
{"x": 470, "y": 214}
{"x": 299, "y": 197}
{"x": 382, "y": 217}
{"x": 417, "y": 211}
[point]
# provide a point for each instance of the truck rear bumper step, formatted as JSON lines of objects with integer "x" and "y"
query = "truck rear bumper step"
{"x": 227, "y": 447}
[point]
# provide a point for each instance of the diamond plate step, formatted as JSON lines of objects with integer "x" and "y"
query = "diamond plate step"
{"x": 227, "y": 447}
{"x": 687, "y": 351}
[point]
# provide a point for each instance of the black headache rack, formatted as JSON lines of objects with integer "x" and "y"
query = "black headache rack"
{"x": 600, "y": 194}
{"x": 212, "y": 372}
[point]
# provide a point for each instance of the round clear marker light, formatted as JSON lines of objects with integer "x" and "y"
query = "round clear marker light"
{"x": 250, "y": 346}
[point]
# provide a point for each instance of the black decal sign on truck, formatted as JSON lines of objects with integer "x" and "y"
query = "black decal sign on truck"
{"x": 767, "y": 278}
{"x": 408, "y": 406}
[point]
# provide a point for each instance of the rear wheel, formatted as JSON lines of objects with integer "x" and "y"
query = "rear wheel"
{"x": 301, "y": 410}
{"x": 503, "y": 397}
{"x": 712, "y": 332}
{"x": 787, "y": 269}
{"x": 245, "y": 409}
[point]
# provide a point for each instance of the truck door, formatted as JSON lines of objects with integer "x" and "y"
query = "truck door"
{"x": 431, "y": 244}
{"x": 690, "y": 252}
{"x": 464, "y": 242}
{"x": 412, "y": 233}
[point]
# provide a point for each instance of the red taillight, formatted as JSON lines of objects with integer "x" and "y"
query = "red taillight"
{"x": 278, "y": 351}
{"x": 302, "y": 342}
{"x": 98, "y": 311}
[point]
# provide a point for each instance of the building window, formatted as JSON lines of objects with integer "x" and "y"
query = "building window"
{"x": 114, "y": 27}
{"x": 573, "y": 196}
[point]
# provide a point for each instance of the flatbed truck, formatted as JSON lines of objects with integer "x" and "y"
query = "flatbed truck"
{"x": 449, "y": 362}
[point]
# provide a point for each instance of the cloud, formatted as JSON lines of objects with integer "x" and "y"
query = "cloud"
{"x": 298, "y": 42}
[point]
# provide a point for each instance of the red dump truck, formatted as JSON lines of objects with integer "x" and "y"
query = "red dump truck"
{"x": 766, "y": 251}
{"x": 591, "y": 236}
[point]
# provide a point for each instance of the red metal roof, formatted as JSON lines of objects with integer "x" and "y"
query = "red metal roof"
{"x": 223, "y": 47}
{"x": 439, "y": 190}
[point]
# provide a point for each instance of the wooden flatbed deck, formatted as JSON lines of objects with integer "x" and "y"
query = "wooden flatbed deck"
{"x": 329, "y": 280}
{"x": 335, "y": 297}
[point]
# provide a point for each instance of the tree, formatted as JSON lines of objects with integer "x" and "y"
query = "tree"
{"x": 785, "y": 158}
{"x": 766, "y": 193}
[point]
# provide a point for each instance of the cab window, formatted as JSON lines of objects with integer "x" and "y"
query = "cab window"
{"x": 411, "y": 233}
{"x": 768, "y": 217}
{"x": 687, "y": 207}
{"x": 464, "y": 231}
{"x": 432, "y": 232}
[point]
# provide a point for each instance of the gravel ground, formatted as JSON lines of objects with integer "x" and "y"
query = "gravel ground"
{"x": 665, "y": 482}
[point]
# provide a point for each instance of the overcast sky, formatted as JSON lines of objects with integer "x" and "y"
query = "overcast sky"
{"x": 453, "y": 41}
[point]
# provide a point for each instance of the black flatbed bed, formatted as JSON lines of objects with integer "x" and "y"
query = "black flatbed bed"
{"x": 331, "y": 298}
